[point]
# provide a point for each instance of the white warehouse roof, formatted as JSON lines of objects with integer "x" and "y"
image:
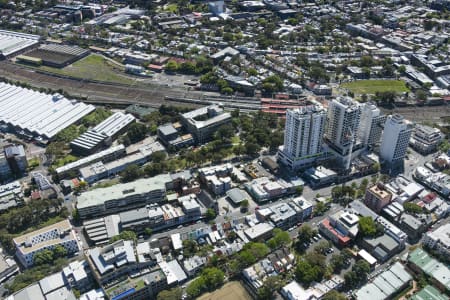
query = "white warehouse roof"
{"x": 37, "y": 113}
{"x": 12, "y": 42}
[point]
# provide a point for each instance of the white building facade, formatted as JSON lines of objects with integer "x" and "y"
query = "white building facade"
{"x": 395, "y": 139}
{"x": 371, "y": 126}
{"x": 303, "y": 136}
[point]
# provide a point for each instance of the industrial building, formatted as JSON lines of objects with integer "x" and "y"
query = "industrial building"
{"x": 33, "y": 114}
{"x": 29, "y": 244}
{"x": 58, "y": 56}
{"x": 109, "y": 154}
{"x": 102, "y": 134}
{"x": 385, "y": 285}
{"x": 438, "y": 273}
{"x": 13, "y": 43}
{"x": 100, "y": 170}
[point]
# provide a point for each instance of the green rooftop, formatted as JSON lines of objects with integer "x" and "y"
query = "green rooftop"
{"x": 429, "y": 293}
{"x": 430, "y": 266}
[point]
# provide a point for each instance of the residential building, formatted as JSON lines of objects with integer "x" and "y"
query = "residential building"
{"x": 372, "y": 123}
{"x": 377, "y": 197}
{"x": 386, "y": 284}
{"x": 395, "y": 139}
{"x": 303, "y": 136}
{"x": 288, "y": 214}
{"x": 341, "y": 134}
{"x": 11, "y": 195}
{"x": 202, "y": 123}
{"x": 193, "y": 265}
{"x": 276, "y": 263}
{"x": 5, "y": 171}
{"x": 439, "y": 239}
{"x": 121, "y": 197}
{"x": 422, "y": 263}
{"x": 116, "y": 260}
{"x": 48, "y": 237}
{"x": 8, "y": 267}
{"x": 17, "y": 159}
{"x": 425, "y": 139}
{"x": 127, "y": 272}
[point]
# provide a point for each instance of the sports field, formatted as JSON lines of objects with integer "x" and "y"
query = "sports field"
{"x": 373, "y": 86}
{"x": 230, "y": 291}
{"x": 92, "y": 67}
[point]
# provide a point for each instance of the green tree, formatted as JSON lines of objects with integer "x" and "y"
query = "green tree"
{"x": 210, "y": 214}
{"x": 43, "y": 257}
{"x": 337, "y": 262}
{"x": 171, "y": 66}
{"x": 213, "y": 277}
{"x": 158, "y": 156}
{"x": 412, "y": 208}
{"x": 320, "y": 209}
{"x": 172, "y": 294}
{"x": 322, "y": 247}
{"x": 190, "y": 247}
{"x": 273, "y": 84}
{"x": 131, "y": 173}
{"x": 196, "y": 287}
{"x": 305, "y": 233}
{"x": 137, "y": 132}
{"x": 310, "y": 268}
{"x": 148, "y": 231}
{"x": 271, "y": 284}
{"x": 351, "y": 279}
{"x": 59, "y": 251}
{"x": 251, "y": 148}
{"x": 367, "y": 227}
{"x": 280, "y": 238}
{"x": 125, "y": 235}
{"x": 334, "y": 295}
{"x": 361, "y": 268}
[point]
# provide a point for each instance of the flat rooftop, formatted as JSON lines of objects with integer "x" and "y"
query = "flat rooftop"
{"x": 118, "y": 191}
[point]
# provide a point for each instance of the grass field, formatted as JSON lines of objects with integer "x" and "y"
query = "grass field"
{"x": 230, "y": 291}
{"x": 92, "y": 67}
{"x": 373, "y": 86}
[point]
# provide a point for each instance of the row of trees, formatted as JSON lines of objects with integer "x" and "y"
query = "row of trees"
{"x": 47, "y": 256}
{"x": 210, "y": 279}
{"x": 200, "y": 65}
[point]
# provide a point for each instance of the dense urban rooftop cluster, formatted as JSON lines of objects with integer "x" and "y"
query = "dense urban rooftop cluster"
{"x": 249, "y": 149}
